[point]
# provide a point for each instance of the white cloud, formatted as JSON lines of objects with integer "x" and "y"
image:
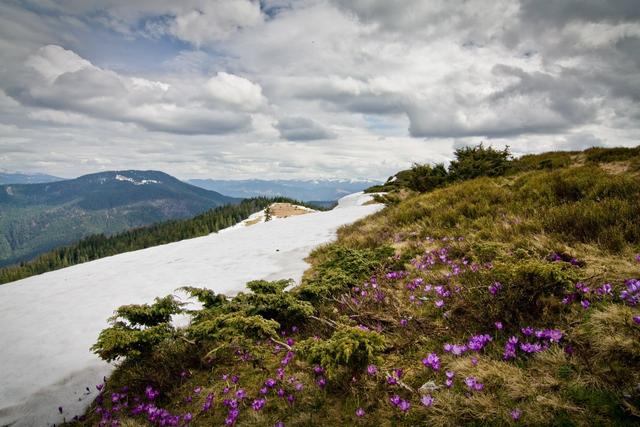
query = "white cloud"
{"x": 215, "y": 20}
{"x": 313, "y": 87}
{"x": 235, "y": 91}
{"x": 71, "y": 83}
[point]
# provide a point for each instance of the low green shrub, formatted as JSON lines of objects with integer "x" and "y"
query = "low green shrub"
{"x": 347, "y": 352}
{"x": 340, "y": 269}
{"x": 136, "y": 329}
{"x": 270, "y": 301}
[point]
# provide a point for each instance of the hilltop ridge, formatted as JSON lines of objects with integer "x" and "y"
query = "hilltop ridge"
{"x": 504, "y": 299}
{"x": 38, "y": 217}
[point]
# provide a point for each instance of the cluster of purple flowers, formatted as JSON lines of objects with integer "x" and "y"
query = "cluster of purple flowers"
{"x": 120, "y": 401}
{"x": 433, "y": 361}
{"x": 258, "y": 404}
{"x": 208, "y": 401}
{"x": 510, "y": 348}
{"x": 543, "y": 336}
{"x": 473, "y": 384}
{"x": 455, "y": 349}
{"x": 396, "y": 275}
{"x": 449, "y": 381}
{"x": 584, "y": 294}
{"x": 321, "y": 381}
{"x": 556, "y": 257}
{"x": 476, "y": 343}
{"x": 631, "y": 295}
{"x": 398, "y": 402}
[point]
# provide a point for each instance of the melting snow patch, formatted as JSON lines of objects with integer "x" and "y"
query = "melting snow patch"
{"x": 134, "y": 182}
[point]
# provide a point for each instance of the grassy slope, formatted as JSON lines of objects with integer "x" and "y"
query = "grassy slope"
{"x": 464, "y": 238}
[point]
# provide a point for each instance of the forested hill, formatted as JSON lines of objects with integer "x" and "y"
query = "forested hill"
{"x": 35, "y": 218}
{"x": 99, "y": 245}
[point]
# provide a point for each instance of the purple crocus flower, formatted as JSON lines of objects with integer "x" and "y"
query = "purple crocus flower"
{"x": 432, "y": 360}
{"x": 498, "y": 325}
{"x": 455, "y": 349}
{"x": 270, "y": 382}
{"x": 150, "y": 393}
{"x": 372, "y": 370}
{"x": 360, "y": 413}
{"x": 494, "y": 288}
{"x": 531, "y": 347}
{"x": 636, "y": 320}
{"x": 403, "y": 322}
{"x": 473, "y": 384}
{"x": 605, "y": 289}
{"x": 516, "y": 414}
{"x": 321, "y": 382}
{"x": 395, "y": 400}
{"x": 477, "y": 342}
{"x": 404, "y": 405}
{"x": 427, "y": 400}
{"x": 258, "y": 404}
{"x": 585, "y": 303}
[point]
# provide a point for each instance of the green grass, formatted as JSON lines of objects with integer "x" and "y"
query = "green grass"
{"x": 537, "y": 232}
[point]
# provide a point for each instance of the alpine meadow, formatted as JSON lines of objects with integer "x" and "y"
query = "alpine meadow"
{"x": 319, "y": 213}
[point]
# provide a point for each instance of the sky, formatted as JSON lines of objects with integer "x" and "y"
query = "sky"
{"x": 295, "y": 89}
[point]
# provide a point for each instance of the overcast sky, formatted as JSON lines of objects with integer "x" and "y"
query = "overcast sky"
{"x": 309, "y": 88}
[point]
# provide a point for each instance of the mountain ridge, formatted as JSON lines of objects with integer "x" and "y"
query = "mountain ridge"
{"x": 38, "y": 217}
{"x": 26, "y": 178}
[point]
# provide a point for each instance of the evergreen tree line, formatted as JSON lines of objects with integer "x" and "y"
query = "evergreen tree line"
{"x": 100, "y": 245}
{"x": 469, "y": 163}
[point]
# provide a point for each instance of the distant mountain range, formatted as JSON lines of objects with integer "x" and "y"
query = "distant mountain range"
{"x": 35, "y": 218}
{"x": 23, "y": 178}
{"x": 300, "y": 190}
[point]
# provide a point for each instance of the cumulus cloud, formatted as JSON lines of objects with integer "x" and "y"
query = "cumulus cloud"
{"x": 214, "y": 20}
{"x": 64, "y": 81}
{"x": 302, "y": 129}
{"x": 235, "y": 91}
